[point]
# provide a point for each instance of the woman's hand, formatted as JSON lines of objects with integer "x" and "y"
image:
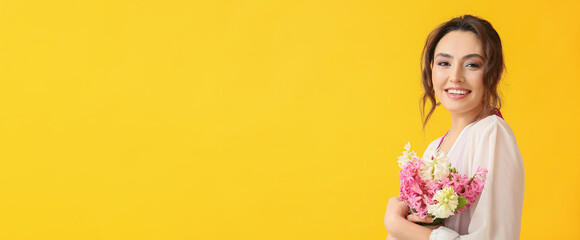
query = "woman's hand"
{"x": 396, "y": 211}
{"x": 417, "y": 219}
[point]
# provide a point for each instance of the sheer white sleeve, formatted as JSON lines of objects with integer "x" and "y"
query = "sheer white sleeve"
{"x": 444, "y": 233}
{"x": 497, "y": 213}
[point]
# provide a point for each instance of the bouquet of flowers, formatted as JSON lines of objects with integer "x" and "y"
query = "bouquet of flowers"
{"x": 431, "y": 187}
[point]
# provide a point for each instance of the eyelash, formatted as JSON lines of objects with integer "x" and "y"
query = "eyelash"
{"x": 440, "y": 64}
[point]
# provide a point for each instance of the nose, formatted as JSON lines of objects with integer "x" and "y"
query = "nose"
{"x": 456, "y": 75}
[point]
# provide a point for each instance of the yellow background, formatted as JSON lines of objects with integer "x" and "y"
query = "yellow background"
{"x": 256, "y": 119}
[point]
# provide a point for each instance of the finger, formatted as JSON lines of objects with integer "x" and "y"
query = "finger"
{"x": 433, "y": 227}
{"x": 395, "y": 199}
{"x": 414, "y": 218}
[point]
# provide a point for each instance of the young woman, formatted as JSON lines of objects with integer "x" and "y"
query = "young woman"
{"x": 462, "y": 66}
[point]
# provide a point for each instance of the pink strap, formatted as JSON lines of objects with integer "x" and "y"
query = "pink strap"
{"x": 440, "y": 142}
{"x": 498, "y": 113}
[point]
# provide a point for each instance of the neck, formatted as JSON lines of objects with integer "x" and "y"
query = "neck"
{"x": 461, "y": 120}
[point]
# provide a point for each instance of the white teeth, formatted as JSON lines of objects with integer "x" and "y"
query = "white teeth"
{"x": 456, "y": 91}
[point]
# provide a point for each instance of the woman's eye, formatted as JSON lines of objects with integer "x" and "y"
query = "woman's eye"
{"x": 473, "y": 65}
{"x": 445, "y": 64}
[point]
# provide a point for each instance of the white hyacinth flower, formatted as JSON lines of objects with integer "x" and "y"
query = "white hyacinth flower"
{"x": 447, "y": 203}
{"x": 407, "y": 156}
{"x": 435, "y": 166}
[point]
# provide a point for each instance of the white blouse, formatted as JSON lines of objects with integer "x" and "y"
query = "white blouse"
{"x": 489, "y": 143}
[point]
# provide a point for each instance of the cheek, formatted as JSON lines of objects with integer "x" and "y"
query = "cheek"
{"x": 438, "y": 80}
{"x": 477, "y": 83}
{"x": 479, "y": 89}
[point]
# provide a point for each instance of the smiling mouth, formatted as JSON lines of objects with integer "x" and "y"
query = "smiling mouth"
{"x": 458, "y": 91}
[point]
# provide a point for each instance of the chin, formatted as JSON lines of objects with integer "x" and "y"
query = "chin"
{"x": 459, "y": 108}
{"x": 454, "y": 106}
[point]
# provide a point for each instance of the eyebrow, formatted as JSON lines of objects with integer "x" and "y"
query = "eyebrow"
{"x": 464, "y": 57}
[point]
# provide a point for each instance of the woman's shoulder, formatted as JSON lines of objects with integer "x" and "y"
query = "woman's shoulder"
{"x": 493, "y": 145}
{"x": 492, "y": 125}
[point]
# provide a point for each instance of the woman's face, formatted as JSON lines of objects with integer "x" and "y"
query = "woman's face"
{"x": 458, "y": 72}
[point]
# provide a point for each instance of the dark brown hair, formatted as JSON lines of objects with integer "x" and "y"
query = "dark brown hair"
{"x": 493, "y": 67}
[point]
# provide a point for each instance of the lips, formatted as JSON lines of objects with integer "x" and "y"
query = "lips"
{"x": 457, "y": 93}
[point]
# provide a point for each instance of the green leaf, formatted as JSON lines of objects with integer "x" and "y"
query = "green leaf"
{"x": 461, "y": 203}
